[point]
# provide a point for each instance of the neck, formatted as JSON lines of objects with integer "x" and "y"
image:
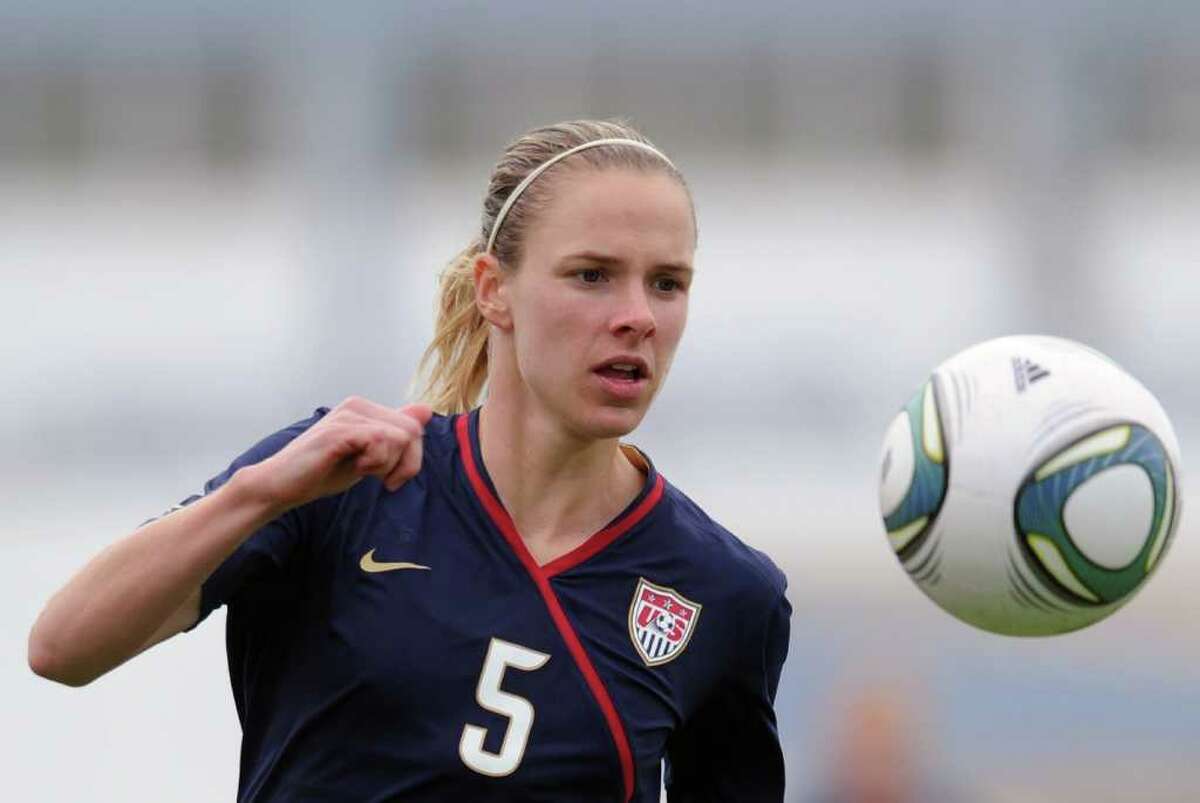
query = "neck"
{"x": 558, "y": 488}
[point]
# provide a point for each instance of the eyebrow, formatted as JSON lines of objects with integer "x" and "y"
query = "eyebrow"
{"x": 595, "y": 256}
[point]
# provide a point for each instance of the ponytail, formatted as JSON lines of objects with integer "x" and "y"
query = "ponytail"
{"x": 458, "y": 351}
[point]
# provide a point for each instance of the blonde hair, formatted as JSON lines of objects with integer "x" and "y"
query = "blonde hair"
{"x": 455, "y": 364}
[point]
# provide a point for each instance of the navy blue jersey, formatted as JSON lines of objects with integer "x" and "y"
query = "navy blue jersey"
{"x": 406, "y": 647}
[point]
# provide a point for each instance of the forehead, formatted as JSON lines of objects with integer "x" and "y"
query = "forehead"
{"x": 619, "y": 211}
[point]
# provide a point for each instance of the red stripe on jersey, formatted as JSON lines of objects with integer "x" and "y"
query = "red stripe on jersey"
{"x": 505, "y": 524}
{"x": 606, "y": 536}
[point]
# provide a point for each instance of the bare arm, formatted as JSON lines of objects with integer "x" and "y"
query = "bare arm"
{"x": 146, "y": 587}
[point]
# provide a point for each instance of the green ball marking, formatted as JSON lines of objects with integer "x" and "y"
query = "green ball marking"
{"x": 1164, "y": 523}
{"x": 910, "y": 521}
{"x": 1043, "y": 496}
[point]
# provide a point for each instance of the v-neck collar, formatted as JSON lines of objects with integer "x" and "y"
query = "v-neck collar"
{"x": 471, "y": 454}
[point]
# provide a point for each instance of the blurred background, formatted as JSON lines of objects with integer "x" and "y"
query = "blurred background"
{"x": 215, "y": 217}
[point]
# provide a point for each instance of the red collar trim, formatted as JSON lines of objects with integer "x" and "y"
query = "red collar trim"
{"x": 606, "y": 536}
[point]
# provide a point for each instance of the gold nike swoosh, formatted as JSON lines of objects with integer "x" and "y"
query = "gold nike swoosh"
{"x": 369, "y": 564}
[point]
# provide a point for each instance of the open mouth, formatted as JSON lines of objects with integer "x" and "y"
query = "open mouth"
{"x": 621, "y": 372}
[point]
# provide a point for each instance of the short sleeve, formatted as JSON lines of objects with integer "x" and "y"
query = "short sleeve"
{"x": 264, "y": 561}
{"x": 729, "y": 749}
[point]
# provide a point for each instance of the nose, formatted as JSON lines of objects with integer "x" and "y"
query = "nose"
{"x": 633, "y": 315}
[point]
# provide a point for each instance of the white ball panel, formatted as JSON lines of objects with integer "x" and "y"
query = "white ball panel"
{"x": 1108, "y": 516}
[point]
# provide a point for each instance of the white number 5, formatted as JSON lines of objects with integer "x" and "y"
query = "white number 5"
{"x": 500, "y": 656}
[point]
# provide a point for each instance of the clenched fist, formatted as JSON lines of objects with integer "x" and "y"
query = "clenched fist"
{"x": 356, "y": 439}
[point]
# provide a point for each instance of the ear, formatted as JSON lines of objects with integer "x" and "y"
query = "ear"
{"x": 491, "y": 291}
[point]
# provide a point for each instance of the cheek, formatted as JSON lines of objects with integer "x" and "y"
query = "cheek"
{"x": 671, "y": 323}
{"x": 549, "y": 321}
{"x": 672, "y": 320}
{"x": 550, "y": 331}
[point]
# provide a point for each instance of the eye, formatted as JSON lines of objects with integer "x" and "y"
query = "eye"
{"x": 590, "y": 275}
{"x": 668, "y": 284}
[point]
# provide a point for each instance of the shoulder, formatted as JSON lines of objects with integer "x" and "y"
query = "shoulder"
{"x": 738, "y": 569}
{"x": 741, "y": 590}
{"x": 440, "y": 432}
{"x": 440, "y": 446}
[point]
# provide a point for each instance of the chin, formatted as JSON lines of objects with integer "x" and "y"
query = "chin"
{"x": 606, "y": 421}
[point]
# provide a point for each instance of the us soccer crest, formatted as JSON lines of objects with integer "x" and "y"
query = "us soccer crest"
{"x": 661, "y": 622}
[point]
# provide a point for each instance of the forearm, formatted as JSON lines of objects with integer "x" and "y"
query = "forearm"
{"x": 112, "y": 606}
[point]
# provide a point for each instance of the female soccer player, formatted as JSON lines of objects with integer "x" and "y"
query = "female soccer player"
{"x": 500, "y": 602}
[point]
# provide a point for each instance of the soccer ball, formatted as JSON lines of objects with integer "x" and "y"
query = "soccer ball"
{"x": 1030, "y": 486}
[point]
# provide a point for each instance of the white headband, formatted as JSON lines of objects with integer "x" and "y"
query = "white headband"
{"x": 537, "y": 171}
